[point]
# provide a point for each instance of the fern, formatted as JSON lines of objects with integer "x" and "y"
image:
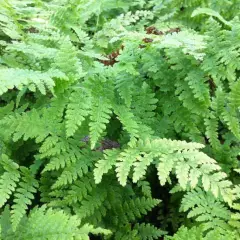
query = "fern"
{"x": 32, "y": 79}
{"x": 61, "y": 226}
{"x": 211, "y": 131}
{"x": 74, "y": 171}
{"x": 206, "y": 209}
{"x": 103, "y": 166}
{"x": 100, "y": 115}
{"x": 8, "y": 21}
{"x": 113, "y": 114}
{"x": 9, "y": 178}
{"x": 148, "y": 232}
{"x": 184, "y": 159}
{"x": 23, "y": 196}
{"x": 196, "y": 233}
{"x": 67, "y": 52}
{"x": 77, "y": 110}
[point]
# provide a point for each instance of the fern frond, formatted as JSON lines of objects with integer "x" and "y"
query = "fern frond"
{"x": 145, "y": 187}
{"x": 80, "y": 190}
{"x": 211, "y": 131}
{"x": 91, "y": 203}
{"x": 10, "y": 78}
{"x": 197, "y": 84}
{"x": 77, "y": 109}
{"x": 29, "y": 125}
{"x": 125, "y": 161}
{"x": 126, "y": 117}
{"x": 86, "y": 229}
{"x": 9, "y": 179}
{"x": 197, "y": 233}
{"x": 8, "y": 21}
{"x": 39, "y": 51}
{"x": 234, "y": 97}
{"x": 144, "y": 104}
{"x": 186, "y": 162}
{"x": 205, "y": 208}
{"x": 124, "y": 86}
{"x": 134, "y": 208}
{"x": 61, "y": 161}
{"x": 67, "y": 61}
{"x": 148, "y": 231}
{"x": 52, "y": 146}
{"x": 5, "y": 222}
{"x": 164, "y": 168}
{"x": 52, "y": 224}
{"x": 23, "y": 196}
{"x": 100, "y": 115}
{"x": 75, "y": 170}
{"x": 218, "y": 102}
{"x": 140, "y": 166}
{"x": 4, "y": 111}
{"x": 103, "y": 166}
{"x": 230, "y": 118}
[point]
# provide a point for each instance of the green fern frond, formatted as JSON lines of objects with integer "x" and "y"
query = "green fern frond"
{"x": 5, "y": 222}
{"x": 197, "y": 84}
{"x": 77, "y": 109}
{"x": 230, "y": 118}
{"x": 61, "y": 161}
{"x": 23, "y": 196}
{"x": 67, "y": 61}
{"x": 140, "y": 166}
{"x": 91, "y": 203}
{"x": 145, "y": 187}
{"x": 32, "y": 79}
{"x": 75, "y": 74}
{"x": 211, "y": 131}
{"x": 80, "y": 190}
{"x": 186, "y": 162}
{"x": 8, "y": 21}
{"x": 205, "y": 208}
{"x": 164, "y": 168}
{"x": 197, "y": 233}
{"x": 75, "y": 170}
{"x": 99, "y": 116}
{"x": 39, "y": 51}
{"x": 9, "y": 179}
{"x": 234, "y": 97}
{"x": 126, "y": 117}
{"x": 126, "y": 160}
{"x": 218, "y": 102}
{"x": 103, "y": 166}
{"x": 148, "y": 231}
{"x": 86, "y": 229}
{"x": 52, "y": 146}
{"x": 124, "y": 86}
{"x": 36, "y": 226}
{"x": 30, "y": 125}
{"x": 134, "y": 208}
{"x": 144, "y": 104}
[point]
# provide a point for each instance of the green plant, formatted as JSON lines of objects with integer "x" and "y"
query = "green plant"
{"x": 119, "y": 119}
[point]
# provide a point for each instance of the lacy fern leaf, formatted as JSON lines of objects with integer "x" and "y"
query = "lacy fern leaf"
{"x": 9, "y": 179}
{"x": 32, "y": 79}
{"x": 23, "y": 196}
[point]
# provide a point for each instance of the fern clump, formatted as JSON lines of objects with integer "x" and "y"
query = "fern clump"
{"x": 119, "y": 119}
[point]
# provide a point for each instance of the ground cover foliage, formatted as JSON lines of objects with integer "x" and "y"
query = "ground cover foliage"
{"x": 119, "y": 119}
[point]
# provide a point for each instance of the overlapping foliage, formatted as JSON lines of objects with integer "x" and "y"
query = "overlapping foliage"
{"x": 119, "y": 119}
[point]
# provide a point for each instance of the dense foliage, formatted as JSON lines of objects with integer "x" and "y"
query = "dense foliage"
{"x": 119, "y": 119}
